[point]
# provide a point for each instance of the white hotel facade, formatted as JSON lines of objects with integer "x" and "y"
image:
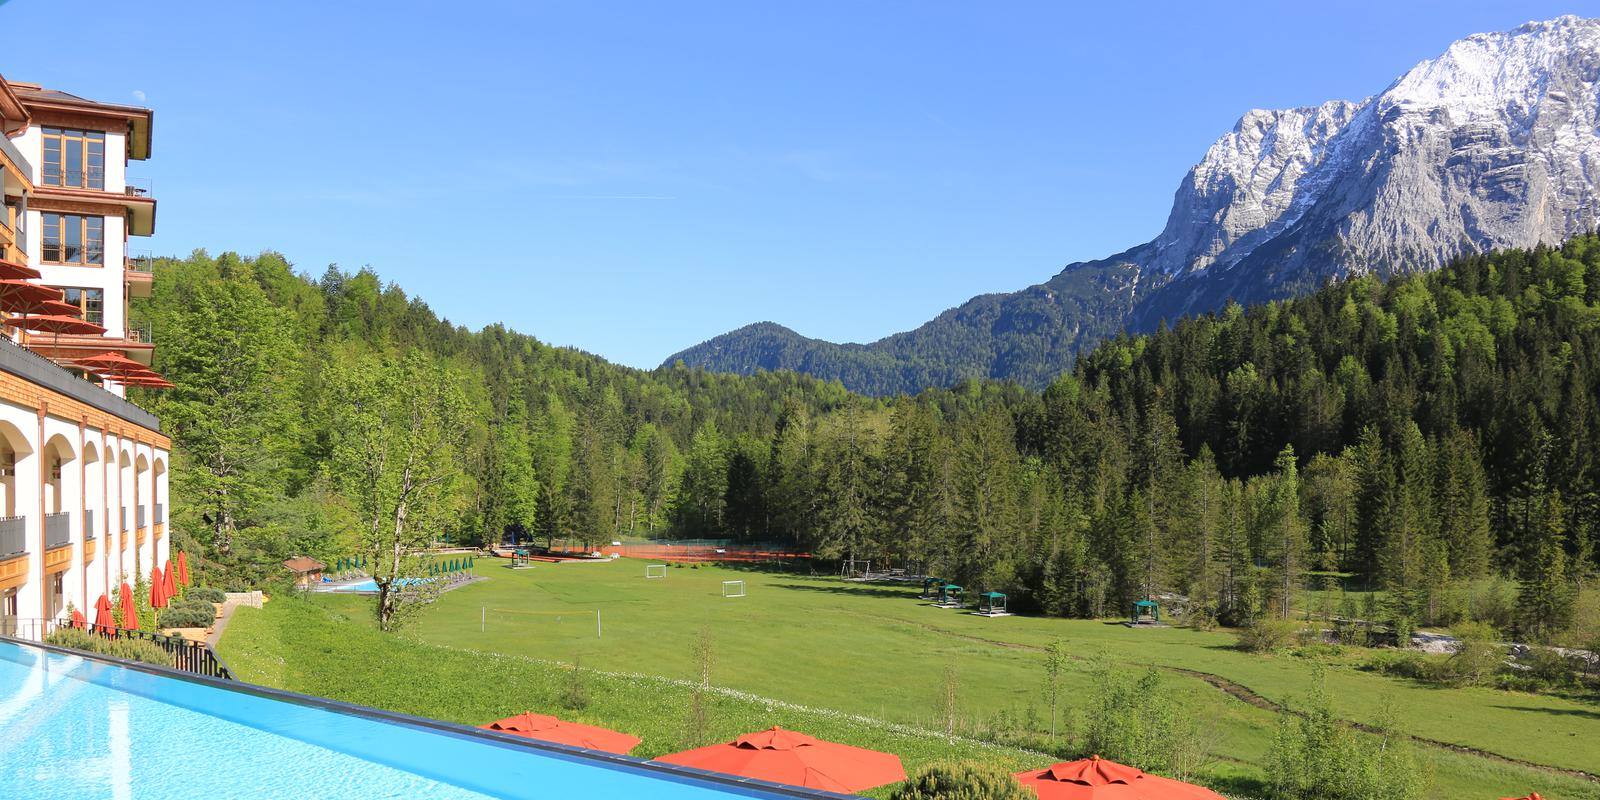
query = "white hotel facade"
{"x": 83, "y": 471}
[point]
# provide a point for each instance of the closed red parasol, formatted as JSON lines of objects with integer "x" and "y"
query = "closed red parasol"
{"x": 183, "y": 567}
{"x": 78, "y": 620}
{"x": 158, "y": 594}
{"x": 104, "y": 622}
{"x": 169, "y": 581}
{"x": 1095, "y": 778}
{"x": 130, "y": 611}
{"x": 549, "y": 729}
{"x": 796, "y": 759}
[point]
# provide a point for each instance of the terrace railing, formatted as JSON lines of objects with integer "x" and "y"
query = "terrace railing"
{"x": 13, "y": 536}
{"x": 57, "y": 529}
{"x": 188, "y": 656}
{"x": 88, "y": 524}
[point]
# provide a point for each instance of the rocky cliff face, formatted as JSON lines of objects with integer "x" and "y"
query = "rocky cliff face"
{"x": 1495, "y": 143}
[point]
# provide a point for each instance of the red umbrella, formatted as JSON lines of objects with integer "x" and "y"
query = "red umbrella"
{"x": 549, "y": 729}
{"x": 77, "y": 619}
{"x": 130, "y": 612}
{"x": 1095, "y": 778}
{"x": 183, "y": 567}
{"x": 112, "y": 364}
{"x": 57, "y": 324}
{"x": 12, "y": 271}
{"x": 20, "y": 297}
{"x": 169, "y": 581}
{"x": 796, "y": 759}
{"x": 146, "y": 382}
{"x": 103, "y": 621}
{"x": 158, "y": 595}
{"x": 1533, "y": 796}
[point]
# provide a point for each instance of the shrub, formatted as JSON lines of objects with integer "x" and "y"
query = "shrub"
{"x": 187, "y": 617}
{"x": 1405, "y": 664}
{"x": 205, "y": 594}
{"x": 1268, "y": 635}
{"x": 191, "y": 604}
{"x": 962, "y": 781}
{"x": 1477, "y": 657}
{"x": 130, "y": 649}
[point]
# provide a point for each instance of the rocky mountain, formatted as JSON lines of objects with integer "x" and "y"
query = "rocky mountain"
{"x": 1495, "y": 143}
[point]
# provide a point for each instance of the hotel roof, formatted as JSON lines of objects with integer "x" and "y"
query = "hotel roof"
{"x": 139, "y": 118}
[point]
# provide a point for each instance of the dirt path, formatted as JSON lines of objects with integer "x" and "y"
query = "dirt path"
{"x": 1245, "y": 694}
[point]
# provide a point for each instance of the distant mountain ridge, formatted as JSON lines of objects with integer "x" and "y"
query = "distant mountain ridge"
{"x": 1495, "y": 143}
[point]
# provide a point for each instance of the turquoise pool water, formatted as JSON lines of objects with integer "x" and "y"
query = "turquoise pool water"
{"x": 368, "y": 585}
{"x": 73, "y": 728}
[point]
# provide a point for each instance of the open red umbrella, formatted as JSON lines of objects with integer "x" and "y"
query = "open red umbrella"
{"x": 20, "y": 297}
{"x": 130, "y": 611}
{"x": 158, "y": 594}
{"x": 796, "y": 759}
{"x": 57, "y": 324}
{"x": 549, "y": 729}
{"x": 183, "y": 567}
{"x": 169, "y": 581}
{"x": 12, "y": 271}
{"x": 1095, "y": 778}
{"x": 146, "y": 382}
{"x": 112, "y": 364}
{"x": 104, "y": 622}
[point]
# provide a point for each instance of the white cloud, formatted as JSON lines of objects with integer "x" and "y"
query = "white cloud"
{"x": 138, "y": 94}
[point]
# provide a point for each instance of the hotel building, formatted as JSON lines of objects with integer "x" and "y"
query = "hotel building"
{"x": 83, "y": 471}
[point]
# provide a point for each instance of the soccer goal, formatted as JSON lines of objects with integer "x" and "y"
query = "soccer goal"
{"x": 733, "y": 588}
{"x": 655, "y": 570}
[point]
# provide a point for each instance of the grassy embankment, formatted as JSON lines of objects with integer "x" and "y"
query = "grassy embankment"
{"x": 836, "y": 649}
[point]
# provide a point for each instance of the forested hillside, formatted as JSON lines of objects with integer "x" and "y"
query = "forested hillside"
{"x": 1434, "y": 435}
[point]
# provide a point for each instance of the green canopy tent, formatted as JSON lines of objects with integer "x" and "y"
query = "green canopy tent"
{"x": 950, "y": 595}
{"x": 1146, "y": 609}
{"x": 931, "y": 587}
{"x": 992, "y": 603}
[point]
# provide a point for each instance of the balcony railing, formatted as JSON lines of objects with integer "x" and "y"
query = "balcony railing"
{"x": 13, "y": 536}
{"x": 139, "y": 333}
{"x": 139, "y": 517}
{"x": 57, "y": 530}
{"x": 74, "y": 178}
{"x": 187, "y": 656}
{"x": 88, "y": 525}
{"x": 137, "y": 187}
{"x": 142, "y": 263}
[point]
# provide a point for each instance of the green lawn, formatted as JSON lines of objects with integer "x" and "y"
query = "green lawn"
{"x": 867, "y": 650}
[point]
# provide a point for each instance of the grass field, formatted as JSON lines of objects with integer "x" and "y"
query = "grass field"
{"x": 837, "y": 648}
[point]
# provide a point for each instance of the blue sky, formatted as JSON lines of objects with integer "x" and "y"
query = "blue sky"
{"x": 632, "y": 179}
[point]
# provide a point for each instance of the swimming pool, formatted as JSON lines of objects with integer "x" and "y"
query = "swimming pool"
{"x": 367, "y": 586}
{"x": 75, "y": 728}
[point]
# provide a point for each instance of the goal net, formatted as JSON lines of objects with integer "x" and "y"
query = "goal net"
{"x": 733, "y": 588}
{"x": 655, "y": 570}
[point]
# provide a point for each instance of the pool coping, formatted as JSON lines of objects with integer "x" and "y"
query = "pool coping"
{"x": 611, "y": 760}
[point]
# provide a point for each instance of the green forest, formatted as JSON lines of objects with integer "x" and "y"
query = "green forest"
{"x": 1432, "y": 437}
